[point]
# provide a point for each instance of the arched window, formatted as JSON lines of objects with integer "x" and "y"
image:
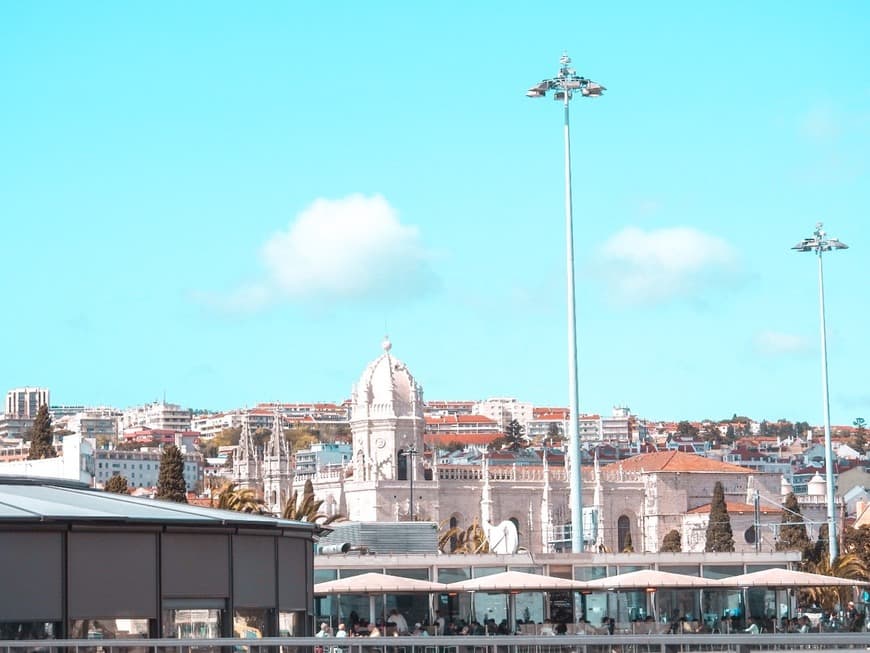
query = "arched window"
{"x": 623, "y": 532}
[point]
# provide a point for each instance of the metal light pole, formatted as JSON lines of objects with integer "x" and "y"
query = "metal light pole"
{"x": 819, "y": 244}
{"x": 410, "y": 454}
{"x": 564, "y": 85}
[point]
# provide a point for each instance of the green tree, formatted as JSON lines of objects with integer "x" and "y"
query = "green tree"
{"x": 858, "y": 441}
{"x": 170, "y": 482}
{"x": 468, "y": 540}
{"x": 117, "y": 485}
{"x": 792, "y": 531}
{"x": 514, "y": 435}
{"x": 848, "y": 566}
{"x": 720, "y": 539}
{"x": 857, "y": 542}
{"x": 307, "y": 508}
{"x": 672, "y": 542}
{"x": 819, "y": 550}
{"x": 730, "y": 435}
{"x": 41, "y": 436}
{"x": 233, "y": 497}
{"x": 687, "y": 429}
{"x": 554, "y": 432}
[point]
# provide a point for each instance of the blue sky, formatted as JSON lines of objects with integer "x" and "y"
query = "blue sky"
{"x": 232, "y": 202}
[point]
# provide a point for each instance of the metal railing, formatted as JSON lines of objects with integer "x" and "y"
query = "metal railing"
{"x": 680, "y": 643}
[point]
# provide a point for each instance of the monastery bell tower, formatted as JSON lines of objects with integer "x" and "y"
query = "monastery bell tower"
{"x": 387, "y": 422}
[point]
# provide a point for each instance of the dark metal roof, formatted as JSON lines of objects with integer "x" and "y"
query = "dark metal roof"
{"x": 24, "y": 500}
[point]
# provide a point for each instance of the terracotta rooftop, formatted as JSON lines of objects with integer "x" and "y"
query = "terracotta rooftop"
{"x": 675, "y": 461}
{"x": 736, "y": 507}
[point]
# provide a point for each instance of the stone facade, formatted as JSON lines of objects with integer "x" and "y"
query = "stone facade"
{"x": 645, "y": 496}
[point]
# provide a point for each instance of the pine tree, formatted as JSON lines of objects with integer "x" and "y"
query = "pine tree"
{"x": 117, "y": 485}
{"x": 792, "y": 532}
{"x": 170, "y": 483}
{"x": 41, "y": 436}
{"x": 720, "y": 539}
{"x": 672, "y": 542}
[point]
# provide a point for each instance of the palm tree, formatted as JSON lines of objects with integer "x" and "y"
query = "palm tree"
{"x": 233, "y": 497}
{"x": 847, "y": 565}
{"x": 307, "y": 508}
{"x": 463, "y": 540}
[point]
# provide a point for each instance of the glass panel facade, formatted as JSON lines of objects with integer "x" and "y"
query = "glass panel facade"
{"x": 252, "y": 623}
{"x": 291, "y": 624}
{"x": 185, "y": 623}
{"x": 454, "y": 605}
{"x": 109, "y": 628}
{"x": 29, "y": 630}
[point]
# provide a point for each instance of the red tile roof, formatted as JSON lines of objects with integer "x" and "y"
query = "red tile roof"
{"x": 461, "y": 438}
{"x": 735, "y": 507}
{"x": 675, "y": 461}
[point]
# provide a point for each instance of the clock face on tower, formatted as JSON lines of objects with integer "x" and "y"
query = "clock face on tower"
{"x": 380, "y": 442}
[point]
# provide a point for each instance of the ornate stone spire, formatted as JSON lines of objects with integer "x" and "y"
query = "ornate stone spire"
{"x": 246, "y": 464}
{"x": 486, "y": 493}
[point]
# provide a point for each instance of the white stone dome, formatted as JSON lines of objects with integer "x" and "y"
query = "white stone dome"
{"x": 816, "y": 486}
{"x": 387, "y": 387}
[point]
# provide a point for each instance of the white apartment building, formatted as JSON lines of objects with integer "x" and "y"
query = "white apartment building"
{"x": 142, "y": 468}
{"x": 503, "y": 409}
{"x": 93, "y": 422}
{"x": 460, "y": 424}
{"x": 157, "y": 415}
{"x": 25, "y": 402}
{"x": 321, "y": 457}
{"x": 210, "y": 424}
{"x": 75, "y": 462}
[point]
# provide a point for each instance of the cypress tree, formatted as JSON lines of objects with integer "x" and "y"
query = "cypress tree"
{"x": 170, "y": 483}
{"x": 792, "y": 532}
{"x": 42, "y": 436}
{"x": 720, "y": 539}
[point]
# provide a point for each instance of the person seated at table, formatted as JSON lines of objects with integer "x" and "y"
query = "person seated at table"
{"x": 419, "y": 631}
{"x": 374, "y": 631}
{"x": 547, "y": 628}
{"x": 752, "y": 628}
{"x": 475, "y": 628}
{"x": 561, "y": 628}
{"x": 609, "y": 624}
{"x": 398, "y": 621}
{"x": 361, "y": 628}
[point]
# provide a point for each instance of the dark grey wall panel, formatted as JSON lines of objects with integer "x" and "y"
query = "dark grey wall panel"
{"x": 293, "y": 561}
{"x": 112, "y": 575}
{"x": 254, "y": 571}
{"x": 196, "y": 565}
{"x": 32, "y": 577}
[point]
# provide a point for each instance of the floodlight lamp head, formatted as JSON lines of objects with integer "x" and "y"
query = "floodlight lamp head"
{"x": 593, "y": 89}
{"x": 805, "y": 245}
{"x": 836, "y": 244}
{"x": 533, "y": 92}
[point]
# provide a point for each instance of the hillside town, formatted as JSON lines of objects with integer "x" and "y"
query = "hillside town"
{"x": 387, "y": 455}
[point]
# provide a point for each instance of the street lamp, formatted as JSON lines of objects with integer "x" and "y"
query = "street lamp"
{"x": 819, "y": 244}
{"x": 409, "y": 455}
{"x": 564, "y": 85}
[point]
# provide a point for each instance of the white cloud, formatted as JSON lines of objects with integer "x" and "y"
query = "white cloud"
{"x": 350, "y": 249}
{"x": 777, "y": 343}
{"x": 646, "y": 267}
